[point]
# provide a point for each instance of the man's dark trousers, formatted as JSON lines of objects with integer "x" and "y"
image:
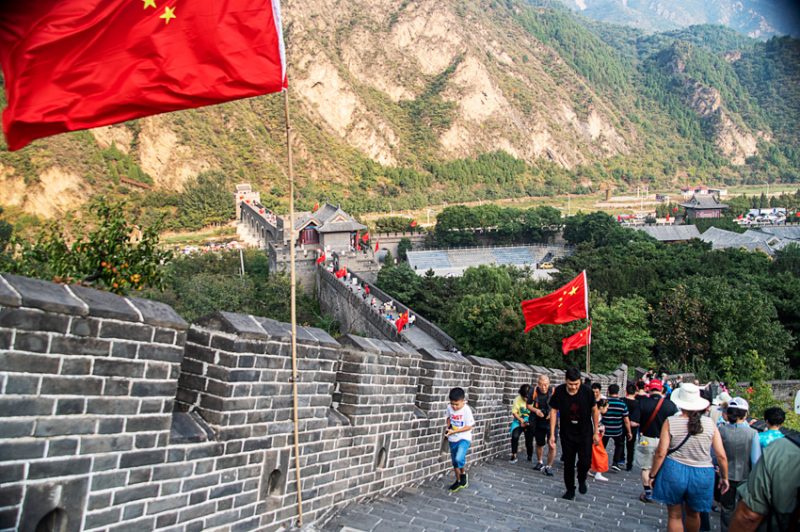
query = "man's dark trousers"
{"x": 619, "y": 447}
{"x": 572, "y": 449}
{"x": 629, "y": 447}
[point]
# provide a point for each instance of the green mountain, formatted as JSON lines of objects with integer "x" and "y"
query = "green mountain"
{"x": 755, "y": 18}
{"x": 399, "y": 105}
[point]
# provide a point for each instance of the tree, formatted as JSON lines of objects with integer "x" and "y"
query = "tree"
{"x": 597, "y": 228}
{"x": 399, "y": 280}
{"x": 206, "y": 200}
{"x": 199, "y": 284}
{"x": 403, "y": 247}
{"x": 787, "y": 260}
{"x": 481, "y": 325}
{"x": 114, "y": 255}
{"x": 621, "y": 333}
{"x": 710, "y": 319}
{"x": 6, "y": 232}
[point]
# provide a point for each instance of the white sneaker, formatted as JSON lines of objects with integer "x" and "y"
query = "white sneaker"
{"x": 600, "y": 477}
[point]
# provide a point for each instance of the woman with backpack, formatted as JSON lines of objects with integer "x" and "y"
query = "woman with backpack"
{"x": 682, "y": 472}
{"x": 520, "y": 423}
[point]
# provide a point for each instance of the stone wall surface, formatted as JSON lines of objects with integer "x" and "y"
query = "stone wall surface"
{"x": 117, "y": 415}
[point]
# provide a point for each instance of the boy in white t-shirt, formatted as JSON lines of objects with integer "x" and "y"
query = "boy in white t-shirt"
{"x": 459, "y": 434}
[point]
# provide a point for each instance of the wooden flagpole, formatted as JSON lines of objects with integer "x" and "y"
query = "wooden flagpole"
{"x": 293, "y": 292}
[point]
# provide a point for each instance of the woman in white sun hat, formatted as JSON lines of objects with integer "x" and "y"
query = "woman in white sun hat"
{"x": 682, "y": 471}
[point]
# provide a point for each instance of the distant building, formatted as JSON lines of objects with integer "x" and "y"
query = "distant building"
{"x": 670, "y": 233}
{"x": 329, "y": 229}
{"x": 703, "y": 206}
{"x": 245, "y": 194}
{"x": 702, "y": 190}
{"x": 722, "y": 239}
{"x": 771, "y": 214}
{"x": 453, "y": 262}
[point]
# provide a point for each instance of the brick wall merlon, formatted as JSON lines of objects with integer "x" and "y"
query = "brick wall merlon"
{"x": 159, "y": 314}
{"x": 44, "y": 295}
{"x": 16, "y": 291}
{"x": 381, "y": 347}
{"x": 9, "y": 296}
{"x": 106, "y": 305}
{"x": 241, "y": 325}
{"x": 485, "y": 362}
{"x": 517, "y": 366}
{"x": 245, "y": 327}
{"x": 444, "y": 356}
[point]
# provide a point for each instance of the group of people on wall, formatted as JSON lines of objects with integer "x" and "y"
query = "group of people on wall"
{"x": 694, "y": 455}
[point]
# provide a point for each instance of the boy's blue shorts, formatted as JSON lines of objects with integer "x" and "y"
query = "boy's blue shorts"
{"x": 458, "y": 452}
{"x": 678, "y": 483}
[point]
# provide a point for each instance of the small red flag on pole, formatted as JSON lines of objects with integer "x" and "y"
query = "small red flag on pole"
{"x": 580, "y": 339}
{"x": 377, "y": 246}
{"x": 365, "y": 237}
{"x": 321, "y": 258}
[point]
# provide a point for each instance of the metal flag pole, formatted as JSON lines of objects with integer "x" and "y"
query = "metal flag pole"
{"x": 588, "y": 323}
{"x": 293, "y": 292}
{"x": 589, "y": 347}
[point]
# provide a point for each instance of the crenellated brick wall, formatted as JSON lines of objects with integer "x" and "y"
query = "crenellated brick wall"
{"x": 117, "y": 415}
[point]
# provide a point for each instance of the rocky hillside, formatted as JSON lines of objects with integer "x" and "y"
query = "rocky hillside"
{"x": 398, "y": 104}
{"x": 757, "y": 18}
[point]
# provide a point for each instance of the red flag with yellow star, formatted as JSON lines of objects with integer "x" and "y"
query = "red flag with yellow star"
{"x": 580, "y": 339}
{"x": 568, "y": 303}
{"x": 77, "y": 64}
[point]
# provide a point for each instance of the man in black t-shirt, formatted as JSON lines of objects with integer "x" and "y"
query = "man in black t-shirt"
{"x": 580, "y": 420}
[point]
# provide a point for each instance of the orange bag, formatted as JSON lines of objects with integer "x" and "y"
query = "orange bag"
{"x": 599, "y": 458}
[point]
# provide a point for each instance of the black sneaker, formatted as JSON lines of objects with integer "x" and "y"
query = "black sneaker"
{"x": 455, "y": 486}
{"x": 615, "y": 468}
{"x": 464, "y": 481}
{"x": 629, "y": 467}
{"x": 538, "y": 466}
{"x": 569, "y": 495}
{"x": 582, "y": 487}
{"x": 512, "y": 460}
{"x": 548, "y": 471}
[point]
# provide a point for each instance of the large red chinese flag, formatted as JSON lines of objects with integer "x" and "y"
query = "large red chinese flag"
{"x": 568, "y": 303}
{"x": 77, "y": 64}
{"x": 580, "y": 339}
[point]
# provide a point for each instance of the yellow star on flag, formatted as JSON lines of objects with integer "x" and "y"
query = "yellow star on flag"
{"x": 150, "y": 3}
{"x": 574, "y": 289}
{"x": 169, "y": 14}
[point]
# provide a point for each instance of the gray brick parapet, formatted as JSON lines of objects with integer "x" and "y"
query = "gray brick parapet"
{"x": 115, "y": 414}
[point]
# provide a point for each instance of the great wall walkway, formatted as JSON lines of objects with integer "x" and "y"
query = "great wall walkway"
{"x": 506, "y": 497}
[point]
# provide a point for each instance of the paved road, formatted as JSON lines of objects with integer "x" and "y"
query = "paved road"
{"x": 508, "y": 497}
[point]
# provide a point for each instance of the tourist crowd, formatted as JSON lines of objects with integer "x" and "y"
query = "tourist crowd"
{"x": 695, "y": 446}
{"x": 387, "y": 309}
